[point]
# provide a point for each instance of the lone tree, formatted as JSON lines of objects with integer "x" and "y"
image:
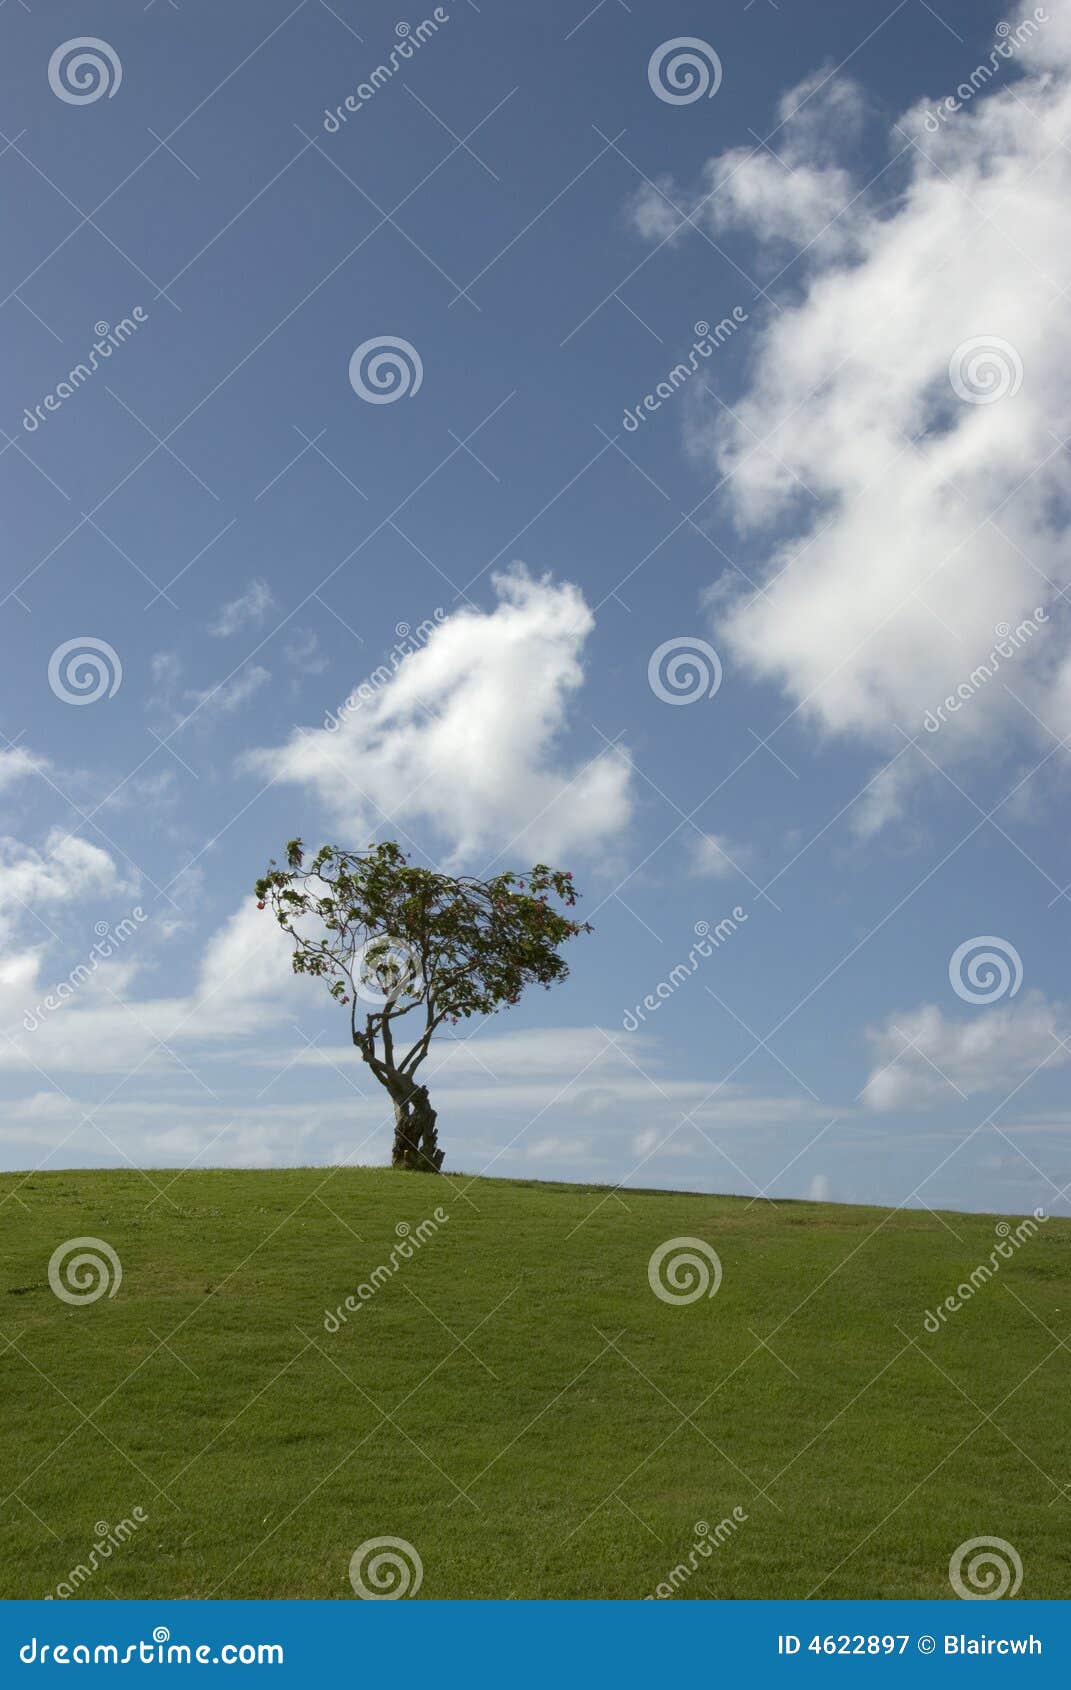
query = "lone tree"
{"x": 393, "y": 941}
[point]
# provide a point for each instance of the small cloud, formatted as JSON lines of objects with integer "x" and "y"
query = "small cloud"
{"x": 927, "y": 1057}
{"x": 17, "y": 762}
{"x": 801, "y": 194}
{"x": 151, "y": 791}
{"x": 201, "y": 703}
{"x": 885, "y": 797}
{"x": 166, "y": 667}
{"x": 557, "y": 1149}
{"x": 713, "y": 856}
{"x": 229, "y": 695}
{"x": 156, "y": 787}
{"x": 470, "y": 733}
{"x": 248, "y": 611}
{"x": 303, "y": 653}
{"x": 41, "y": 1106}
{"x": 67, "y": 871}
{"x": 186, "y": 893}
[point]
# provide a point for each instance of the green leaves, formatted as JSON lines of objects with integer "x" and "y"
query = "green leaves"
{"x": 472, "y": 946}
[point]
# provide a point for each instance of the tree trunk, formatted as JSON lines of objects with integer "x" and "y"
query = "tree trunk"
{"x": 416, "y": 1142}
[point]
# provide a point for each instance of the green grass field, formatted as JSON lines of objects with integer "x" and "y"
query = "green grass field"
{"x": 515, "y": 1402}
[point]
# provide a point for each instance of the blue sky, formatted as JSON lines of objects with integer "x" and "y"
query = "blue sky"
{"x": 853, "y": 495}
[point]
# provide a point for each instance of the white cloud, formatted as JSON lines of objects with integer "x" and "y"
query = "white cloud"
{"x": 925, "y": 1056}
{"x": 713, "y": 856}
{"x": 534, "y": 1053}
{"x": 229, "y": 695}
{"x": 166, "y": 667}
{"x": 556, "y": 1149}
{"x": 202, "y": 705}
{"x": 247, "y": 611}
{"x": 794, "y": 196}
{"x": 244, "y": 986}
{"x": 902, "y": 524}
{"x": 232, "y": 1088}
{"x": 153, "y": 793}
{"x": 465, "y": 735}
{"x": 885, "y": 793}
{"x": 302, "y": 652}
{"x": 247, "y": 960}
{"x": 16, "y": 762}
{"x": 38, "y": 1106}
{"x": 67, "y": 871}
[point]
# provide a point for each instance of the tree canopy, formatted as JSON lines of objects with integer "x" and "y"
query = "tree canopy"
{"x": 394, "y": 941}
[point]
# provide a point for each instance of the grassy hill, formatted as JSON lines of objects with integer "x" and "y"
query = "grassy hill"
{"x": 515, "y": 1401}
